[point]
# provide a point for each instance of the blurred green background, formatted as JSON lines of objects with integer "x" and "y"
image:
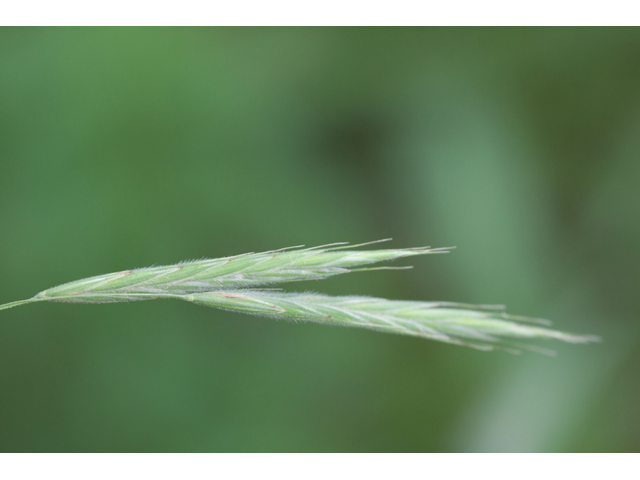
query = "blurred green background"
{"x": 124, "y": 148}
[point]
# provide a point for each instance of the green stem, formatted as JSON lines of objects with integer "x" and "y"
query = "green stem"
{"x": 20, "y": 302}
{"x": 78, "y": 298}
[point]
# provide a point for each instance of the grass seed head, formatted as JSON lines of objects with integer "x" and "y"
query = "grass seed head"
{"x": 230, "y": 283}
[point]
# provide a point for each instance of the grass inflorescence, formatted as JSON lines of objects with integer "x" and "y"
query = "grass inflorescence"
{"x": 239, "y": 283}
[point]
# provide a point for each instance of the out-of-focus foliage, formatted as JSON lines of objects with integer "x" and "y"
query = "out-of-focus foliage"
{"x": 122, "y": 148}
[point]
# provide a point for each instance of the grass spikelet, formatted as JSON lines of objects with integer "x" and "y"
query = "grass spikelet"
{"x": 241, "y": 271}
{"x": 452, "y": 323}
{"x": 230, "y": 283}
